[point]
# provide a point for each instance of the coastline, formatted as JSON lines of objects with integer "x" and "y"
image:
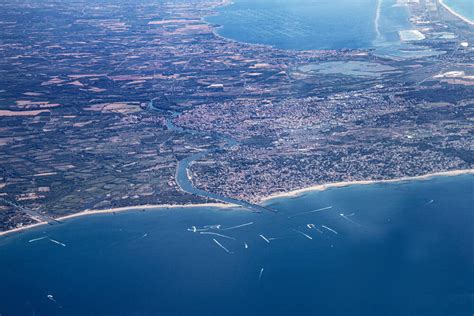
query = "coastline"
{"x": 290, "y": 194}
{"x": 456, "y": 14}
{"x": 323, "y": 187}
{"x": 119, "y": 210}
{"x": 215, "y": 30}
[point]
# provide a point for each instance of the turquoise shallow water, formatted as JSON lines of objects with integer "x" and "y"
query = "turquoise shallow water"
{"x": 463, "y": 7}
{"x": 313, "y": 24}
{"x": 399, "y": 249}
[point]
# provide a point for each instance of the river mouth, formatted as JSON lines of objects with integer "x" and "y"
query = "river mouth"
{"x": 182, "y": 176}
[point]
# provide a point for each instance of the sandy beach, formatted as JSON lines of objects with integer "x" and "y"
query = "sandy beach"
{"x": 323, "y": 187}
{"x": 441, "y": 2}
{"x": 290, "y": 194}
{"x": 118, "y": 210}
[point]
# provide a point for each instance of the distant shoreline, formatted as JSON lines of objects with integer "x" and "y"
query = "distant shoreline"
{"x": 323, "y": 187}
{"x": 456, "y": 14}
{"x": 215, "y": 29}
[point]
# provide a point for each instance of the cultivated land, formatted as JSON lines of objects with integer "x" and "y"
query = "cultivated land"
{"x": 98, "y": 104}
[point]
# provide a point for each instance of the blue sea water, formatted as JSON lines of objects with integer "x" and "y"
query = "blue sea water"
{"x": 400, "y": 249}
{"x": 313, "y": 24}
{"x": 463, "y": 7}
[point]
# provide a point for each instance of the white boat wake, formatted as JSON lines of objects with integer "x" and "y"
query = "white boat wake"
{"x": 306, "y": 235}
{"x": 217, "y": 226}
{"x": 37, "y": 239}
{"x": 238, "y": 226}
{"x": 194, "y": 229}
{"x": 429, "y": 202}
{"x": 57, "y": 242}
{"x": 216, "y": 234}
{"x": 220, "y": 245}
{"x": 313, "y": 211}
{"x": 330, "y": 229}
{"x": 346, "y": 217}
{"x": 265, "y": 238}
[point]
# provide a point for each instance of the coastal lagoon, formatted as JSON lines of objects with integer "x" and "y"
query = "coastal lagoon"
{"x": 381, "y": 249}
{"x": 348, "y": 68}
{"x": 313, "y": 24}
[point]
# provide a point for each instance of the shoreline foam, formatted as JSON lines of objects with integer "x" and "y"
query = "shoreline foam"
{"x": 456, "y": 14}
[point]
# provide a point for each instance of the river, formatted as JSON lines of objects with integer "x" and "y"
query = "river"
{"x": 182, "y": 171}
